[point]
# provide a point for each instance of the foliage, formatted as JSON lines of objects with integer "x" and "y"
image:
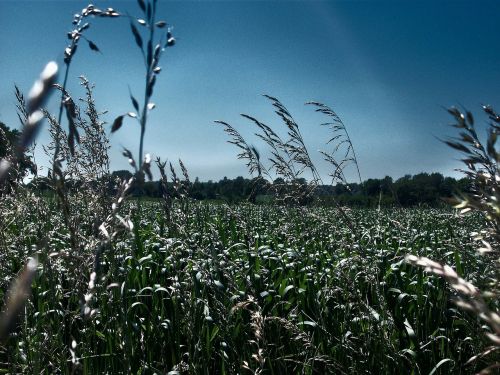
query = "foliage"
{"x": 423, "y": 189}
{"x": 258, "y": 287}
{"x": 9, "y": 139}
{"x": 289, "y": 159}
{"x": 190, "y": 287}
{"x": 481, "y": 163}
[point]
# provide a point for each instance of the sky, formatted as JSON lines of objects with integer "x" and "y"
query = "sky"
{"x": 389, "y": 69}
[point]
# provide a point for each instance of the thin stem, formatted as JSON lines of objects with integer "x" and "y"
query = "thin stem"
{"x": 144, "y": 115}
{"x": 353, "y": 152}
{"x": 59, "y": 117}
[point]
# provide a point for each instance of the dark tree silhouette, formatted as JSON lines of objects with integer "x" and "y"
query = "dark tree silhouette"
{"x": 22, "y": 165}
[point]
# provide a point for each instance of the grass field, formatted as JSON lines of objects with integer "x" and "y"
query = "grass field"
{"x": 243, "y": 289}
{"x": 94, "y": 281}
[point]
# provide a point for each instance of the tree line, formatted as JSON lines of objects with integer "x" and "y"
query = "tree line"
{"x": 430, "y": 189}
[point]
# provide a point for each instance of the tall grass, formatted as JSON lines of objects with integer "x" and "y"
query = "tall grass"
{"x": 186, "y": 287}
{"x": 290, "y": 159}
{"x": 481, "y": 161}
{"x": 277, "y": 290}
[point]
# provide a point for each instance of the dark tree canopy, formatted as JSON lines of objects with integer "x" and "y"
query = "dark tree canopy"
{"x": 427, "y": 189}
{"x": 8, "y": 143}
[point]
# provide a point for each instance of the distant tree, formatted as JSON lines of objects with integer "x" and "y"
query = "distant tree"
{"x": 122, "y": 174}
{"x": 41, "y": 183}
{"x": 23, "y": 165}
{"x": 340, "y": 189}
{"x": 421, "y": 189}
{"x": 239, "y": 186}
{"x": 255, "y": 187}
{"x": 151, "y": 189}
{"x": 211, "y": 190}
{"x": 197, "y": 190}
{"x": 371, "y": 187}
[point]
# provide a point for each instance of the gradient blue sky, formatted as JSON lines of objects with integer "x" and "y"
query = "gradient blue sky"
{"x": 388, "y": 68}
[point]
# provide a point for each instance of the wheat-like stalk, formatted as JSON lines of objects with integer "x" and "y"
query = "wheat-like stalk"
{"x": 482, "y": 169}
{"x": 341, "y": 140}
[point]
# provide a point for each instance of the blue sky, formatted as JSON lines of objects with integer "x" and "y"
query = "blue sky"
{"x": 388, "y": 68}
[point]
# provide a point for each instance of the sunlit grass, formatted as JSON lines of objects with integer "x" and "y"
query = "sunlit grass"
{"x": 270, "y": 289}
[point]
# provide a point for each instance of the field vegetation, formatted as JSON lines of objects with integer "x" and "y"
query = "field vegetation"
{"x": 94, "y": 282}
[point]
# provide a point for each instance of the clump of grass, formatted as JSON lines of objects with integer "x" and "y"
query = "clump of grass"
{"x": 179, "y": 190}
{"x": 290, "y": 159}
{"x": 481, "y": 161}
{"x": 341, "y": 142}
{"x": 75, "y": 36}
{"x": 21, "y": 287}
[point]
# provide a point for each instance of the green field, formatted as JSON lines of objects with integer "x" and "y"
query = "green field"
{"x": 242, "y": 289}
{"x": 274, "y": 274}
